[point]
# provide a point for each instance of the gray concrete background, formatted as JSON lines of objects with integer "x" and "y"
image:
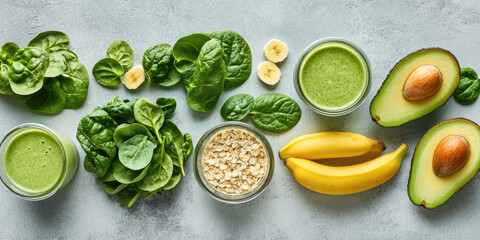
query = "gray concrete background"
{"x": 386, "y": 30}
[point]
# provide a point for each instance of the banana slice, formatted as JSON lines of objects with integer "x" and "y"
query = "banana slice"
{"x": 275, "y": 50}
{"x": 134, "y": 77}
{"x": 268, "y": 72}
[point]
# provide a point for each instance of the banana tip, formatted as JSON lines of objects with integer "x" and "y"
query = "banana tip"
{"x": 382, "y": 144}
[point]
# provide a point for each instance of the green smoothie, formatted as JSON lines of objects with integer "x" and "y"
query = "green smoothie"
{"x": 34, "y": 161}
{"x": 333, "y": 76}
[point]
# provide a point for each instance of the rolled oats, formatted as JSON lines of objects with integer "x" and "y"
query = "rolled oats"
{"x": 234, "y": 162}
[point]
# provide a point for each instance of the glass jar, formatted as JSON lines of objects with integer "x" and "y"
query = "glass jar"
{"x": 69, "y": 161}
{"x": 317, "y": 46}
{"x": 221, "y": 196}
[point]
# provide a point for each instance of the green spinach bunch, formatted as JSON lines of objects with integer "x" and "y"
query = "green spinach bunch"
{"x": 272, "y": 112}
{"x": 469, "y": 87}
{"x": 119, "y": 60}
{"x": 133, "y": 147}
{"x": 46, "y": 74}
{"x": 205, "y": 63}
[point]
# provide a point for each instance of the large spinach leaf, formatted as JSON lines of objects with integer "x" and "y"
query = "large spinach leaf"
{"x": 205, "y": 85}
{"x": 136, "y": 153}
{"x": 49, "y": 99}
{"x": 237, "y": 107}
{"x": 188, "y": 48}
{"x": 122, "y": 52}
{"x": 149, "y": 114}
{"x": 60, "y": 62}
{"x": 237, "y": 57}
{"x": 50, "y": 41}
{"x": 74, "y": 84}
{"x": 107, "y": 72}
{"x": 27, "y": 70}
{"x": 275, "y": 112}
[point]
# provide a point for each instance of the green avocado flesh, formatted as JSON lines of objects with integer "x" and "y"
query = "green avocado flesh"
{"x": 390, "y": 109}
{"x": 424, "y": 187}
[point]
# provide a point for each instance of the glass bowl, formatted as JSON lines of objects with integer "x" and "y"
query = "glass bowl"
{"x": 312, "y": 48}
{"x": 232, "y": 198}
{"x": 70, "y": 161}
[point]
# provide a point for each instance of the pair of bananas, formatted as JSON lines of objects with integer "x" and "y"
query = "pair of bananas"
{"x": 354, "y": 164}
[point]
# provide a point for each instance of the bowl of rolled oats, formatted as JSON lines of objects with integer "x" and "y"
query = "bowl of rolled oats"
{"x": 233, "y": 162}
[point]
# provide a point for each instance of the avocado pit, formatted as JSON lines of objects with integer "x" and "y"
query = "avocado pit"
{"x": 422, "y": 83}
{"x": 450, "y": 155}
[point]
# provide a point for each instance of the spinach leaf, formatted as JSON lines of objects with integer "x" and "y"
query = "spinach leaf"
{"x": 168, "y": 105}
{"x": 95, "y": 134}
{"x": 174, "y": 180}
{"x": 469, "y": 87}
{"x": 237, "y": 57}
{"x": 136, "y": 153}
{"x": 107, "y": 72}
{"x": 129, "y": 195}
{"x": 159, "y": 173}
{"x": 49, "y": 99}
{"x": 237, "y": 107}
{"x": 120, "y": 110}
{"x": 125, "y": 175}
{"x": 113, "y": 187}
{"x": 158, "y": 65}
{"x": 127, "y": 131}
{"x": 205, "y": 85}
{"x": 275, "y": 112}
{"x": 8, "y": 50}
{"x": 60, "y": 62}
{"x": 108, "y": 176}
{"x": 174, "y": 143}
{"x": 50, "y": 41}
{"x": 74, "y": 84}
{"x": 149, "y": 114}
{"x": 188, "y": 48}
{"x": 122, "y": 52}
{"x": 27, "y": 70}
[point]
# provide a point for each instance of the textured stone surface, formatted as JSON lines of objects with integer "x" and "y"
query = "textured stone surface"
{"x": 385, "y": 30}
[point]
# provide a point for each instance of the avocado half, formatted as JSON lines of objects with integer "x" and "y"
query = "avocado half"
{"x": 390, "y": 109}
{"x": 427, "y": 189}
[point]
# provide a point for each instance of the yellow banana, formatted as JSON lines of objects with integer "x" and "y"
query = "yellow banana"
{"x": 374, "y": 152}
{"x": 326, "y": 145}
{"x": 346, "y": 179}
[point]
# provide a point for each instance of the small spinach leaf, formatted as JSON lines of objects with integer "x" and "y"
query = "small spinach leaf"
{"x": 158, "y": 64}
{"x": 149, "y": 114}
{"x": 49, "y": 99}
{"x": 237, "y": 107}
{"x": 8, "y": 50}
{"x": 187, "y": 147}
{"x": 275, "y": 112}
{"x": 122, "y": 52}
{"x": 174, "y": 180}
{"x": 50, "y": 41}
{"x": 136, "y": 153}
{"x": 168, "y": 105}
{"x": 237, "y": 57}
{"x": 205, "y": 85}
{"x": 95, "y": 162}
{"x": 107, "y": 72}
{"x": 27, "y": 71}
{"x": 174, "y": 143}
{"x": 125, "y": 175}
{"x": 469, "y": 87}
{"x": 127, "y": 131}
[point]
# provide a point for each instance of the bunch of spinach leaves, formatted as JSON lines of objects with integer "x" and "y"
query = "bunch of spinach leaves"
{"x": 273, "y": 112}
{"x": 119, "y": 60}
{"x": 133, "y": 147}
{"x": 205, "y": 63}
{"x": 46, "y": 75}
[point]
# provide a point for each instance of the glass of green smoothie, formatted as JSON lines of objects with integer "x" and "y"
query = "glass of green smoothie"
{"x": 333, "y": 76}
{"x": 36, "y": 161}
